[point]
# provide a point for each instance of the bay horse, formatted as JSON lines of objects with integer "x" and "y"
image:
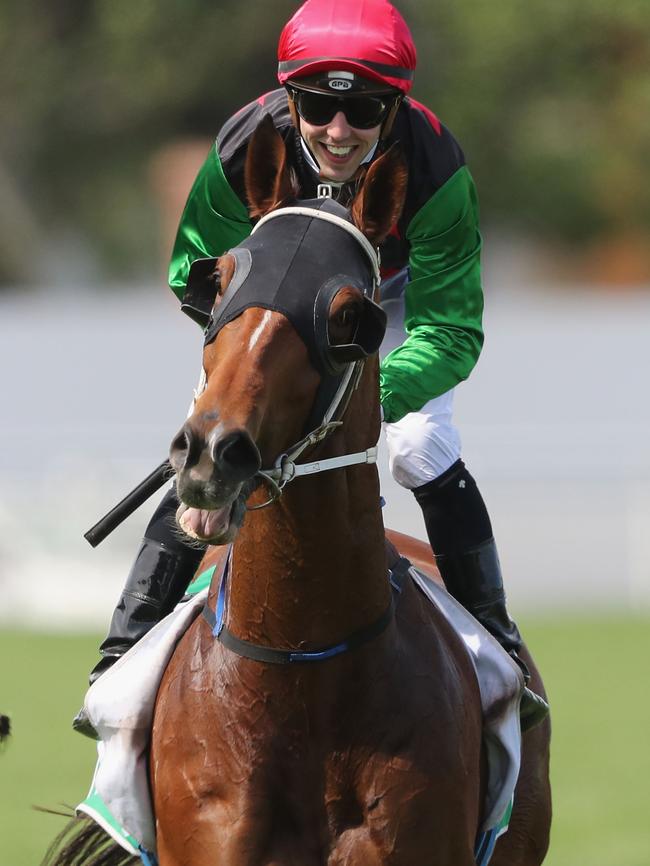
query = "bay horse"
{"x": 312, "y": 716}
{"x": 365, "y": 757}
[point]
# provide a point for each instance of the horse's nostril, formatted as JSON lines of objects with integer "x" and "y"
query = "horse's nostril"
{"x": 236, "y": 456}
{"x": 179, "y": 443}
{"x": 182, "y": 451}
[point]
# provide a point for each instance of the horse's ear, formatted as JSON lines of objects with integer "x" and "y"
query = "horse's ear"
{"x": 378, "y": 204}
{"x": 268, "y": 179}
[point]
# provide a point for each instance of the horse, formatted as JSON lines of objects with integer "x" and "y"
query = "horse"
{"x": 315, "y": 714}
{"x": 368, "y": 756}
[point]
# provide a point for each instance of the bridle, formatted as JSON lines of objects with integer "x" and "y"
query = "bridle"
{"x": 324, "y": 419}
{"x": 285, "y": 468}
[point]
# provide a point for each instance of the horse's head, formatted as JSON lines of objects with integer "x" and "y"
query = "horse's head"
{"x": 293, "y": 319}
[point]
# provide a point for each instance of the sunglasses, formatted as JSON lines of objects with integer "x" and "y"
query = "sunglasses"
{"x": 362, "y": 112}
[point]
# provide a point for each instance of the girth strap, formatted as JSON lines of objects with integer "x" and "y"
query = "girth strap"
{"x": 272, "y": 655}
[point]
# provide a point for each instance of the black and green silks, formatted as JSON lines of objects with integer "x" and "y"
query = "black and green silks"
{"x": 214, "y": 220}
{"x": 444, "y": 301}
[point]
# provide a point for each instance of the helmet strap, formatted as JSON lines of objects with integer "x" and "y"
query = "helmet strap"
{"x": 390, "y": 119}
{"x": 293, "y": 111}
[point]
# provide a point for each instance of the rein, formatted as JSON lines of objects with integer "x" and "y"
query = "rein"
{"x": 285, "y": 468}
{"x": 273, "y": 655}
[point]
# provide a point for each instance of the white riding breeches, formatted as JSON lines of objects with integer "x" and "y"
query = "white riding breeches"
{"x": 423, "y": 444}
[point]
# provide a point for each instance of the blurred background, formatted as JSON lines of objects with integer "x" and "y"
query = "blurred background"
{"x": 108, "y": 109}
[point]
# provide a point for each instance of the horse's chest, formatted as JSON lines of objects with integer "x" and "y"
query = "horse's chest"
{"x": 331, "y": 768}
{"x": 357, "y": 807}
{"x": 356, "y": 788}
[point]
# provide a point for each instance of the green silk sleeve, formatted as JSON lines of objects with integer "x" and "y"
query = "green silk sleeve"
{"x": 214, "y": 220}
{"x": 443, "y": 301}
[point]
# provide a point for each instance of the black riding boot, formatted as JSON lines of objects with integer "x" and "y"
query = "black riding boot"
{"x": 460, "y": 534}
{"x": 162, "y": 570}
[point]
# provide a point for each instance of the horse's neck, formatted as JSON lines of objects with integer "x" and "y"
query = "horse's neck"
{"x": 311, "y": 569}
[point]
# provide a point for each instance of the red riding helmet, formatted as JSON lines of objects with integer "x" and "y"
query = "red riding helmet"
{"x": 366, "y": 37}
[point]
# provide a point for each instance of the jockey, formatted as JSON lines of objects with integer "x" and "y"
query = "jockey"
{"x": 345, "y": 70}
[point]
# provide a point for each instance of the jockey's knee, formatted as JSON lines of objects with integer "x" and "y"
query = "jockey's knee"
{"x": 421, "y": 447}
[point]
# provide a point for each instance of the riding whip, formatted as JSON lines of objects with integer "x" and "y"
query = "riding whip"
{"x": 131, "y": 502}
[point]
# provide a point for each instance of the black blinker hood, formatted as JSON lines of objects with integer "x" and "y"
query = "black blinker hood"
{"x": 287, "y": 267}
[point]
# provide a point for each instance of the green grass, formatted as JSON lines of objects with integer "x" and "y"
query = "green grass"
{"x": 595, "y": 673}
{"x": 42, "y": 684}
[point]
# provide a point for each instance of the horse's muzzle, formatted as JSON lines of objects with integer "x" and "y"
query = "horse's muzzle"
{"x": 211, "y": 469}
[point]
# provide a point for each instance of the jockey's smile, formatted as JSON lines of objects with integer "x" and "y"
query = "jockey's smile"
{"x": 339, "y": 149}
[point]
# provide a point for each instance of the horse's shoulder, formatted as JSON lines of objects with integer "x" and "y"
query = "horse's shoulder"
{"x": 214, "y": 559}
{"x": 427, "y": 636}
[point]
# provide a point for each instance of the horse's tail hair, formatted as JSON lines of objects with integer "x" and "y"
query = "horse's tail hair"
{"x": 82, "y": 842}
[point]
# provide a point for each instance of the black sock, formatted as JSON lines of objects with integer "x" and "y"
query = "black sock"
{"x": 455, "y": 515}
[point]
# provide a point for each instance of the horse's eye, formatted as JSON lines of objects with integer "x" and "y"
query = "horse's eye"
{"x": 343, "y": 324}
{"x": 348, "y": 317}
